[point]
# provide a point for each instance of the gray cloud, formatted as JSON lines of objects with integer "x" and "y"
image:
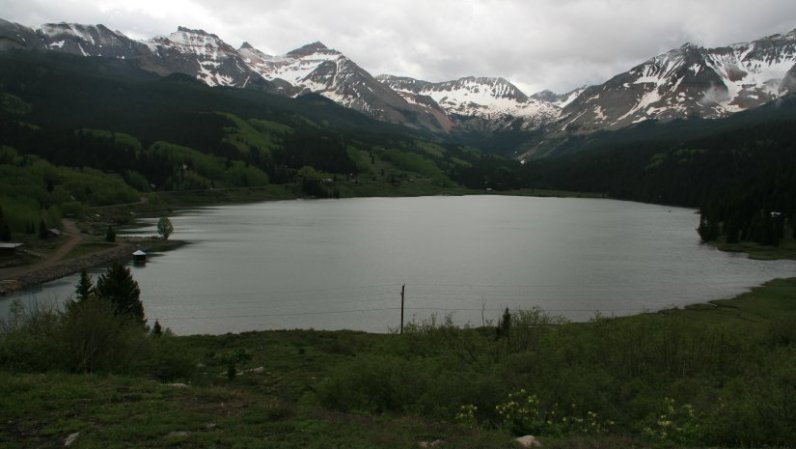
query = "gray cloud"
{"x": 553, "y": 44}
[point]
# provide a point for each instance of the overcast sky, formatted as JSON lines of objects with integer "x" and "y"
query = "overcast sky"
{"x": 536, "y": 44}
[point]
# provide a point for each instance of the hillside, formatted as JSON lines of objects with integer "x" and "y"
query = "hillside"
{"x": 683, "y": 83}
{"x": 146, "y": 133}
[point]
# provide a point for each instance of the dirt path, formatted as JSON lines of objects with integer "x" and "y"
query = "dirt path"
{"x": 74, "y": 238}
{"x": 71, "y": 231}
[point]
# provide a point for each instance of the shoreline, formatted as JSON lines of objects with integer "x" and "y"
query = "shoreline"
{"x": 36, "y": 276}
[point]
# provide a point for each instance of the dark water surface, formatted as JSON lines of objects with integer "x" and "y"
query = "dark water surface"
{"x": 340, "y": 264}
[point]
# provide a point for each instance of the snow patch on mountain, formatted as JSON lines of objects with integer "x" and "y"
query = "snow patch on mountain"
{"x": 689, "y": 81}
{"x": 488, "y": 98}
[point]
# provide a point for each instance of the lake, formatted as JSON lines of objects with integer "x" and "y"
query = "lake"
{"x": 340, "y": 264}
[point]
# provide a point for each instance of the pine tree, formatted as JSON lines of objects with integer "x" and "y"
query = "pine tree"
{"x": 157, "y": 330}
{"x": 504, "y": 324}
{"x": 5, "y": 231}
{"x": 110, "y": 234}
{"x": 85, "y": 287}
{"x": 118, "y": 286}
{"x": 42, "y": 230}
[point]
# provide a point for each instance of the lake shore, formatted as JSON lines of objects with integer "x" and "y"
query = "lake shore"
{"x": 22, "y": 277}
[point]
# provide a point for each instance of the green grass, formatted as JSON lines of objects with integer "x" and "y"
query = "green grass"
{"x": 733, "y": 361}
{"x": 786, "y": 249}
{"x": 90, "y": 247}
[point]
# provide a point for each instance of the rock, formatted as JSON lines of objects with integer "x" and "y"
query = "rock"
{"x": 258, "y": 370}
{"x": 528, "y": 441}
{"x": 426, "y": 444}
{"x": 178, "y": 434}
{"x": 178, "y": 385}
{"x": 70, "y": 440}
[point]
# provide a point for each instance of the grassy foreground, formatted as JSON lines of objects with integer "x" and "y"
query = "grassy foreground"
{"x": 720, "y": 375}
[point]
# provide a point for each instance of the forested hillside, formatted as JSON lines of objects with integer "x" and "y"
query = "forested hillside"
{"x": 79, "y": 132}
{"x": 739, "y": 172}
{"x": 124, "y": 132}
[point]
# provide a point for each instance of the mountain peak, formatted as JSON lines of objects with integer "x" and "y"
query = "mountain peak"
{"x": 315, "y": 47}
{"x": 200, "y": 32}
{"x": 246, "y": 46}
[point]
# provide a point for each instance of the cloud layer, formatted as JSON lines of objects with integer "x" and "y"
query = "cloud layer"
{"x": 540, "y": 44}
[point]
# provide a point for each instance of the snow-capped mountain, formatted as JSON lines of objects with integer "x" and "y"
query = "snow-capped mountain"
{"x": 689, "y": 81}
{"x": 560, "y": 100}
{"x": 203, "y": 55}
{"x": 312, "y": 68}
{"x": 788, "y": 85}
{"x": 316, "y": 68}
{"x": 89, "y": 40}
{"x": 493, "y": 99}
{"x": 16, "y": 36}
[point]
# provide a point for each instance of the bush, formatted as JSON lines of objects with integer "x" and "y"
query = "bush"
{"x": 374, "y": 384}
{"x": 167, "y": 361}
{"x": 30, "y": 339}
{"x": 96, "y": 339}
{"x": 87, "y": 337}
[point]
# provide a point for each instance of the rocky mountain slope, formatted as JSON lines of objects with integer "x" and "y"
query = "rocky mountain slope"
{"x": 492, "y": 99}
{"x": 316, "y": 68}
{"x": 312, "y": 68}
{"x": 690, "y": 81}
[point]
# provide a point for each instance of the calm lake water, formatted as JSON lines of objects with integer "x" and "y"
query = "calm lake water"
{"x": 340, "y": 264}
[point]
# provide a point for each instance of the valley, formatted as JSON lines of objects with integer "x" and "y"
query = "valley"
{"x": 558, "y": 252}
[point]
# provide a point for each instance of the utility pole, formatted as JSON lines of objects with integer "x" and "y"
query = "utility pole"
{"x": 403, "y": 290}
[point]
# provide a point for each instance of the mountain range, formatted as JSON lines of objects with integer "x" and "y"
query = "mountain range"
{"x": 687, "y": 82}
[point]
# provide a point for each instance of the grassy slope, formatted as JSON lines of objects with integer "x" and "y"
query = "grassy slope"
{"x": 283, "y": 405}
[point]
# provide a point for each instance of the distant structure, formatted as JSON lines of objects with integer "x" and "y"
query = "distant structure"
{"x": 9, "y": 248}
{"x": 139, "y": 257}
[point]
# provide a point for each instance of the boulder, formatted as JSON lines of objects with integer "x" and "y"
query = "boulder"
{"x": 528, "y": 441}
{"x": 71, "y": 439}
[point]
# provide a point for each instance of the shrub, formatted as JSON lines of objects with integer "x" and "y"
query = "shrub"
{"x": 30, "y": 339}
{"x": 374, "y": 384}
{"x": 96, "y": 339}
{"x": 523, "y": 413}
{"x": 167, "y": 361}
{"x": 674, "y": 423}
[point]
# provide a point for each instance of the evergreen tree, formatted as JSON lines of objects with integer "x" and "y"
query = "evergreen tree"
{"x": 5, "y": 231}
{"x": 118, "y": 286}
{"x": 85, "y": 287}
{"x": 42, "y": 230}
{"x": 504, "y": 325}
{"x": 157, "y": 330}
{"x": 110, "y": 234}
{"x": 708, "y": 228}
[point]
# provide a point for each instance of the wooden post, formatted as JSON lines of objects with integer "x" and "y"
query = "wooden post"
{"x": 403, "y": 290}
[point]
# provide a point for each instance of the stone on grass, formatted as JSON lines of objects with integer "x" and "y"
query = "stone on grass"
{"x": 70, "y": 440}
{"x": 528, "y": 441}
{"x": 427, "y": 444}
{"x": 178, "y": 434}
